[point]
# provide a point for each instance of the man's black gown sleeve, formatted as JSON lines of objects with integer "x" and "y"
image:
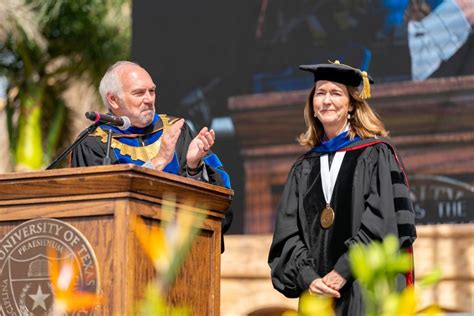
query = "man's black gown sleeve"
{"x": 214, "y": 175}
{"x": 182, "y": 146}
{"x": 90, "y": 152}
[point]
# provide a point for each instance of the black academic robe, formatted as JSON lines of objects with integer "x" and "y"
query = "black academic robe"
{"x": 93, "y": 149}
{"x": 370, "y": 200}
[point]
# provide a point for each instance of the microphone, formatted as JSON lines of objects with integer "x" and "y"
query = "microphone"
{"x": 121, "y": 122}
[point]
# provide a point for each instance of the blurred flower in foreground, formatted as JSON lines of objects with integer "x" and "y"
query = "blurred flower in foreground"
{"x": 313, "y": 305}
{"x": 64, "y": 275}
{"x": 167, "y": 245}
{"x": 376, "y": 267}
{"x": 408, "y": 301}
{"x": 155, "y": 304}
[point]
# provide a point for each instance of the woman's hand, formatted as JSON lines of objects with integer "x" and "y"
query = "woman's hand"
{"x": 334, "y": 280}
{"x": 320, "y": 288}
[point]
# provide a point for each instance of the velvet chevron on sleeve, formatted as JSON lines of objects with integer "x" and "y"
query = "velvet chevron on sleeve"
{"x": 214, "y": 167}
{"x": 139, "y": 145}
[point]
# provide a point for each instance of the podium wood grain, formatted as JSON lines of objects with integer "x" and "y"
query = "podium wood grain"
{"x": 100, "y": 202}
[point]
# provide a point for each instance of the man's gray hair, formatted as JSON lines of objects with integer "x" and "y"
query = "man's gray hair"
{"x": 110, "y": 82}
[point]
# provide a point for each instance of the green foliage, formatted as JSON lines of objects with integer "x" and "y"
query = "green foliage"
{"x": 379, "y": 260}
{"x": 45, "y": 45}
{"x": 153, "y": 303}
{"x": 431, "y": 278}
{"x": 29, "y": 133}
{"x": 375, "y": 267}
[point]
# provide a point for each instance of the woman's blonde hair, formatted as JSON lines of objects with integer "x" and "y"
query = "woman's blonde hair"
{"x": 364, "y": 121}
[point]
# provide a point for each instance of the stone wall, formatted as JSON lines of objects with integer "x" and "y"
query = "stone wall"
{"x": 246, "y": 289}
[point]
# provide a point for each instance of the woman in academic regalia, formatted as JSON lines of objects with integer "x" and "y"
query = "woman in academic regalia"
{"x": 349, "y": 188}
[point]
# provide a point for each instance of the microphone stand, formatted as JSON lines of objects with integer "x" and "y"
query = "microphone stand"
{"x": 107, "y": 160}
{"x": 76, "y": 143}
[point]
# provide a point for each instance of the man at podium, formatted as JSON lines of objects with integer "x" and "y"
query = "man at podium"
{"x": 151, "y": 140}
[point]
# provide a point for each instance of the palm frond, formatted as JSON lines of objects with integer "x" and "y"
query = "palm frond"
{"x": 20, "y": 19}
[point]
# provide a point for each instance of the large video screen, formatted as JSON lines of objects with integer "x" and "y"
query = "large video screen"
{"x": 202, "y": 52}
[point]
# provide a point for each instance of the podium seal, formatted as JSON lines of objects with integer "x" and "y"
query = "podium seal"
{"x": 25, "y": 286}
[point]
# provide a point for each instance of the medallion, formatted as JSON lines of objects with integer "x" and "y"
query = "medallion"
{"x": 327, "y": 217}
{"x": 328, "y": 180}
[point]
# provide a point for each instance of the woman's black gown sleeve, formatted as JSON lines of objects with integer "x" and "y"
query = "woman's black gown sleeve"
{"x": 292, "y": 268}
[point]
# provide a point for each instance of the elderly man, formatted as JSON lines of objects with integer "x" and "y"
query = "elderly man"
{"x": 154, "y": 141}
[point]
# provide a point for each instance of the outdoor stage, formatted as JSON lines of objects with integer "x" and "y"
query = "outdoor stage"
{"x": 246, "y": 288}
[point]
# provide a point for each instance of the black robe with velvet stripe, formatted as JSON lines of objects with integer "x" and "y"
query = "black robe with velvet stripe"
{"x": 92, "y": 150}
{"x": 370, "y": 199}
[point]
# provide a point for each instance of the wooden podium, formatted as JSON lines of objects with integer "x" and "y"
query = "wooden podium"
{"x": 100, "y": 202}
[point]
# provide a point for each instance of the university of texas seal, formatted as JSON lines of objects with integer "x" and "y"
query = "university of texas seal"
{"x": 25, "y": 287}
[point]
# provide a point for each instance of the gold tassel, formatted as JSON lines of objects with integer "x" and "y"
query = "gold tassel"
{"x": 365, "y": 93}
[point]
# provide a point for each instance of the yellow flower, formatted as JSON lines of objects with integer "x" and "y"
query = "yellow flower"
{"x": 166, "y": 244}
{"x": 153, "y": 241}
{"x": 432, "y": 310}
{"x": 310, "y": 305}
{"x": 410, "y": 299}
{"x": 63, "y": 275}
{"x": 408, "y": 302}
